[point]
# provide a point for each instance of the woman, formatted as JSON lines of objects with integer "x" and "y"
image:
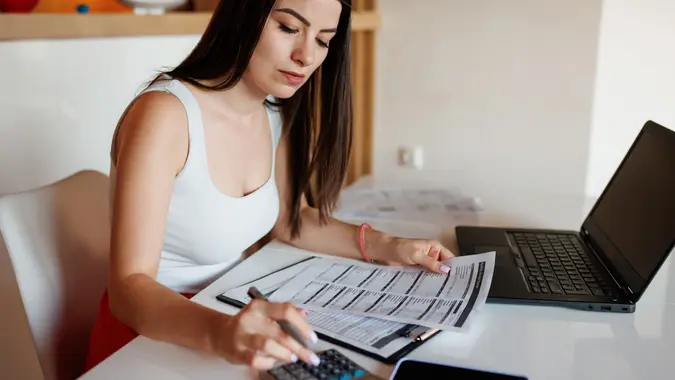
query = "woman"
{"x": 222, "y": 151}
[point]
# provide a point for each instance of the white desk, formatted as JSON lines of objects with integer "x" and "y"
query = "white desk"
{"x": 539, "y": 342}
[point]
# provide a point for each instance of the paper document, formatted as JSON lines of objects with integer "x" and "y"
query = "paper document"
{"x": 378, "y": 336}
{"x": 398, "y": 294}
{"x": 436, "y": 205}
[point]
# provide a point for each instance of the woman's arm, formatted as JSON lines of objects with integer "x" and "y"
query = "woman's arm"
{"x": 342, "y": 239}
{"x": 151, "y": 149}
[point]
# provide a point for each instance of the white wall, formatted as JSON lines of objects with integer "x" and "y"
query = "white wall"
{"x": 60, "y": 100}
{"x": 498, "y": 93}
{"x": 635, "y": 82}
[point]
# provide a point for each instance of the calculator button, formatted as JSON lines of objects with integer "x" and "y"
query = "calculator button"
{"x": 277, "y": 371}
{"x": 281, "y": 374}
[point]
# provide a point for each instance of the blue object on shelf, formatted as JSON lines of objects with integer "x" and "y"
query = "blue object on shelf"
{"x": 83, "y": 8}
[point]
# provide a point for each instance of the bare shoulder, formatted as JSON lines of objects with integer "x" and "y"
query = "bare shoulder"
{"x": 154, "y": 128}
{"x": 150, "y": 148}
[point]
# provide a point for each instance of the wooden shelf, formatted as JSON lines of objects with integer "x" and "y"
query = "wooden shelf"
{"x": 50, "y": 26}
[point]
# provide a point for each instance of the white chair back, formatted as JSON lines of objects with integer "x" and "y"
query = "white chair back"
{"x": 56, "y": 242}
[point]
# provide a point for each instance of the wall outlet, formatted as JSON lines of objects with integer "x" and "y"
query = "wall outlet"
{"x": 411, "y": 157}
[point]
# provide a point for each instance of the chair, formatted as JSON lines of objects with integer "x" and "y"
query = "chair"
{"x": 54, "y": 244}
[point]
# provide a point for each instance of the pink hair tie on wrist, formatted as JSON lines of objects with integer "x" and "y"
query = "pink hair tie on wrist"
{"x": 362, "y": 241}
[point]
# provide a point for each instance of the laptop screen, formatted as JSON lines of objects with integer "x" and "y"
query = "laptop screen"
{"x": 635, "y": 216}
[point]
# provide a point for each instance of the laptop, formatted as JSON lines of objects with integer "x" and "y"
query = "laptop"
{"x": 608, "y": 263}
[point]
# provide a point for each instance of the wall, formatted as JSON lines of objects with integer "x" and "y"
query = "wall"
{"x": 60, "y": 100}
{"x": 635, "y": 81}
{"x": 498, "y": 93}
{"x": 521, "y": 94}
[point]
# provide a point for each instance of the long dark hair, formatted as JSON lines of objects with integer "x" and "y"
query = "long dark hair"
{"x": 317, "y": 118}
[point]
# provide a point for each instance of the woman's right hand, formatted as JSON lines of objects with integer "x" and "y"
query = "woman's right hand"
{"x": 253, "y": 336}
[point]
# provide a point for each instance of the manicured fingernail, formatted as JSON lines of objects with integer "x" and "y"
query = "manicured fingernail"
{"x": 304, "y": 313}
{"x": 313, "y": 337}
{"x": 445, "y": 269}
{"x": 314, "y": 359}
{"x": 294, "y": 358}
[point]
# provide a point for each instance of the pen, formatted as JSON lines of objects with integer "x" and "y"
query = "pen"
{"x": 417, "y": 333}
{"x": 425, "y": 335}
{"x": 254, "y": 293}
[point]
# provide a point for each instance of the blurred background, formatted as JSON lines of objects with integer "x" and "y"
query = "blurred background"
{"x": 487, "y": 95}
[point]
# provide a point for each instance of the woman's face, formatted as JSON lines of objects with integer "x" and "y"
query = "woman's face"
{"x": 293, "y": 45}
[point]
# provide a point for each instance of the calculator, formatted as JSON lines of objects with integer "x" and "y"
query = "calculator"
{"x": 333, "y": 366}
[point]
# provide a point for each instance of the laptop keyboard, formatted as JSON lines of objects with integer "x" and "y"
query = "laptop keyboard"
{"x": 558, "y": 264}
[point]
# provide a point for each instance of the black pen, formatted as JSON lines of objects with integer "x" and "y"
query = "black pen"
{"x": 254, "y": 293}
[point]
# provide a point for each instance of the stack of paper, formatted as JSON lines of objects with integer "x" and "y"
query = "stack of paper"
{"x": 426, "y": 205}
{"x": 368, "y": 305}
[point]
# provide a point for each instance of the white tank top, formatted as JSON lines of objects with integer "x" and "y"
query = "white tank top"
{"x": 207, "y": 231}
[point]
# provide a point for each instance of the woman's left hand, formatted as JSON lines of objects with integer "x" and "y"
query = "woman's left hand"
{"x": 424, "y": 252}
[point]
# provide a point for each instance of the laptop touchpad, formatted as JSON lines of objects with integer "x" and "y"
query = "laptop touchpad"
{"x": 503, "y": 256}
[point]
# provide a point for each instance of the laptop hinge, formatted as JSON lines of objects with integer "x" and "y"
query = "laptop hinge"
{"x": 610, "y": 269}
